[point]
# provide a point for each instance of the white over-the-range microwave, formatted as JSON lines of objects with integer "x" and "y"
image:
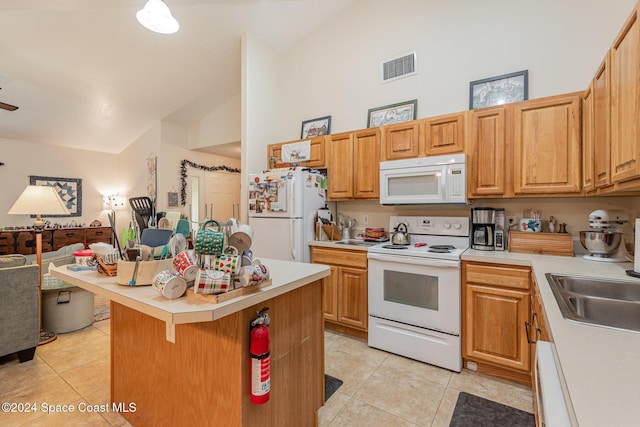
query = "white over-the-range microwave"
{"x": 424, "y": 180}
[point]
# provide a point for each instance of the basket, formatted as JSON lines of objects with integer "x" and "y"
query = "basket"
{"x": 106, "y": 269}
{"x": 374, "y": 233}
{"x": 147, "y": 270}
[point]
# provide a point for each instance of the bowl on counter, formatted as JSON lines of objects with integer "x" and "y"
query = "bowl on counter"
{"x": 600, "y": 242}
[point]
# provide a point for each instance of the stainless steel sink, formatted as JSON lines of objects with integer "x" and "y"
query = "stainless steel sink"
{"x": 355, "y": 242}
{"x": 609, "y": 303}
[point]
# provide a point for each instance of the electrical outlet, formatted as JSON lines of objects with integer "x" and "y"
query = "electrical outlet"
{"x": 365, "y": 219}
{"x": 511, "y": 220}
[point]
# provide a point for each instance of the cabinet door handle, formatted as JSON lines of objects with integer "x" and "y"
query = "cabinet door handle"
{"x": 69, "y": 234}
{"x": 98, "y": 233}
{"x": 528, "y": 325}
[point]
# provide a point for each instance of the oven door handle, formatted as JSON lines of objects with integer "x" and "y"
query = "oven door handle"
{"x": 424, "y": 262}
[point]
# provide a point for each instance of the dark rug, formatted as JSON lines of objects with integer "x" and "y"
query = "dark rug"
{"x": 478, "y": 412}
{"x": 330, "y": 386}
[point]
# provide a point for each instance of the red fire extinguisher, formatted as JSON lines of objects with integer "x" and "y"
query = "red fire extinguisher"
{"x": 260, "y": 358}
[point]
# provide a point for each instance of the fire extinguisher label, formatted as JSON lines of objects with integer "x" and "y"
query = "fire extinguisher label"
{"x": 261, "y": 376}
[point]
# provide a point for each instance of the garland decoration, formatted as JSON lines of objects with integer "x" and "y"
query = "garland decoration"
{"x": 183, "y": 175}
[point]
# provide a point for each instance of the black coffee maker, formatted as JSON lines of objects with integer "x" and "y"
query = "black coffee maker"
{"x": 482, "y": 228}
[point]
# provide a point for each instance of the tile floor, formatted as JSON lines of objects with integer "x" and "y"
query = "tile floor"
{"x": 379, "y": 388}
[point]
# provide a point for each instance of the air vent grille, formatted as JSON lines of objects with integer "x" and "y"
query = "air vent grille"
{"x": 397, "y": 68}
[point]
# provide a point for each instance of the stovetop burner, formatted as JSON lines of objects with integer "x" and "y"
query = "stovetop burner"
{"x": 395, "y": 246}
{"x": 441, "y": 249}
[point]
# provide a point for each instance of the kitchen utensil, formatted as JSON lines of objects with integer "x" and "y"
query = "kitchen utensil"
{"x": 602, "y": 243}
{"x": 132, "y": 282}
{"x": 155, "y": 237}
{"x": 605, "y": 240}
{"x": 143, "y": 209}
{"x": 400, "y": 236}
{"x": 112, "y": 221}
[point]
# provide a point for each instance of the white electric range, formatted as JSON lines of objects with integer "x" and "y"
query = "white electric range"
{"x": 415, "y": 291}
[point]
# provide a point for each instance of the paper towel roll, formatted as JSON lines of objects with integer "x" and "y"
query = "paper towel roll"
{"x": 636, "y": 249}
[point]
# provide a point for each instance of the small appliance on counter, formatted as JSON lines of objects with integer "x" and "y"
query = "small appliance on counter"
{"x": 483, "y": 228}
{"x": 500, "y": 233}
{"x": 605, "y": 241}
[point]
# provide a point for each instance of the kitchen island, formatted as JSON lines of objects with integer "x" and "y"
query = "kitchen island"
{"x": 599, "y": 365}
{"x": 186, "y": 361}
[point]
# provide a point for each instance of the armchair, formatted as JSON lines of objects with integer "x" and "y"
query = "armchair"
{"x": 19, "y": 307}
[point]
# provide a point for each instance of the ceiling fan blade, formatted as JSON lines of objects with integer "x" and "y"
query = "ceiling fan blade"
{"x": 8, "y": 107}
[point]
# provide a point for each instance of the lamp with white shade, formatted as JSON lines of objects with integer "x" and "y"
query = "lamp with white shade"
{"x": 40, "y": 200}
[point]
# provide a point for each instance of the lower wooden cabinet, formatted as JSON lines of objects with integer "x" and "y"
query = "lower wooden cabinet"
{"x": 345, "y": 291}
{"x": 496, "y": 311}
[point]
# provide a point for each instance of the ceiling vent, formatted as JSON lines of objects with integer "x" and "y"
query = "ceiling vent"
{"x": 397, "y": 68}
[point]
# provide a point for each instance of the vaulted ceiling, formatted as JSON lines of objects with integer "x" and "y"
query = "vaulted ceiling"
{"x": 86, "y": 74}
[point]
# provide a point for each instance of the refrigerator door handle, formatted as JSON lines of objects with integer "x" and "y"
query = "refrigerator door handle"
{"x": 292, "y": 240}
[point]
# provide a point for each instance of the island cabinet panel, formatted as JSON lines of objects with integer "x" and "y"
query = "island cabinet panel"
{"x": 444, "y": 134}
{"x": 625, "y": 93}
{"x": 401, "y": 141}
{"x": 547, "y": 157}
{"x": 488, "y": 160}
{"x": 204, "y": 378}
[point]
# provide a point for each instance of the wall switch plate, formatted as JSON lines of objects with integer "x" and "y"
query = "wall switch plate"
{"x": 365, "y": 219}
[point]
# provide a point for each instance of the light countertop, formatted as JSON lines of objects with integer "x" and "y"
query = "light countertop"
{"x": 286, "y": 276}
{"x": 601, "y": 366}
{"x": 336, "y": 245}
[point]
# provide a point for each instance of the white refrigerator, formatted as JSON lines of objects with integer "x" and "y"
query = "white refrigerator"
{"x": 282, "y": 207}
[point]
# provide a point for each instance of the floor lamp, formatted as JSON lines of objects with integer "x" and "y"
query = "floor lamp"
{"x": 40, "y": 200}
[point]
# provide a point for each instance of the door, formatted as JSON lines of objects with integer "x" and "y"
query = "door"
{"x": 401, "y": 141}
{"x": 340, "y": 166}
{"x": 488, "y": 153}
{"x": 221, "y": 195}
{"x": 352, "y": 297}
{"x": 366, "y": 164}
{"x": 444, "y": 134}
{"x": 278, "y": 238}
{"x": 418, "y": 292}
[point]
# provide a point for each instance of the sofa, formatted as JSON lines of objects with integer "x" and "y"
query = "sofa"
{"x": 19, "y": 313}
{"x": 20, "y": 300}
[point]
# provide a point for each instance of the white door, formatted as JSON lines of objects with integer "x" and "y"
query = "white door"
{"x": 221, "y": 199}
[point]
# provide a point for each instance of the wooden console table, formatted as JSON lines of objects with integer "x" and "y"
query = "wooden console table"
{"x": 24, "y": 241}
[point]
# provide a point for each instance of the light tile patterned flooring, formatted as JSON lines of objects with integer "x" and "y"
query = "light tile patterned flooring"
{"x": 380, "y": 389}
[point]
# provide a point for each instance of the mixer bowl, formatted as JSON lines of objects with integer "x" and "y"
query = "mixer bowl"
{"x": 601, "y": 242}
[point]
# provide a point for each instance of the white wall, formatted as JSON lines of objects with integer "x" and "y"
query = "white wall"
{"x": 98, "y": 171}
{"x": 260, "y": 108}
{"x": 221, "y": 126}
{"x": 336, "y": 70}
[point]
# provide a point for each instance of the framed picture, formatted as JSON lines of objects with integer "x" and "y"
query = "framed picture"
{"x": 172, "y": 199}
{"x": 316, "y": 127}
{"x": 69, "y": 190}
{"x": 499, "y": 90}
{"x": 394, "y": 113}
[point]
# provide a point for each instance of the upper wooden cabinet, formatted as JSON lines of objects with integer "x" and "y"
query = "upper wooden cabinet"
{"x": 547, "y": 156}
{"x": 625, "y": 92}
{"x": 600, "y": 122}
{"x": 317, "y": 159}
{"x": 588, "y": 183}
{"x": 401, "y": 141}
{"x": 488, "y": 163}
{"x": 444, "y": 134}
{"x": 353, "y": 165}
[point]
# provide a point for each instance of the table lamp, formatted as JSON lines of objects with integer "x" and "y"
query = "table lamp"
{"x": 40, "y": 200}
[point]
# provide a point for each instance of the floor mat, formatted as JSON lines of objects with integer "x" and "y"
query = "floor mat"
{"x": 331, "y": 384}
{"x": 475, "y": 411}
{"x": 101, "y": 308}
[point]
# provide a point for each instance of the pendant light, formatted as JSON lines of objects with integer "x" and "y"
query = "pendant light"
{"x": 157, "y": 17}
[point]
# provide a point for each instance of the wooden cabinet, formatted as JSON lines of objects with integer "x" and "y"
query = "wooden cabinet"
{"x": 488, "y": 164}
{"x": 345, "y": 291}
{"x": 588, "y": 182}
{"x": 625, "y": 92}
{"x": 444, "y": 134}
{"x": 401, "y": 141}
{"x": 317, "y": 155}
{"x": 353, "y": 165}
{"x": 24, "y": 241}
{"x": 600, "y": 122}
{"x": 547, "y": 158}
{"x": 496, "y": 307}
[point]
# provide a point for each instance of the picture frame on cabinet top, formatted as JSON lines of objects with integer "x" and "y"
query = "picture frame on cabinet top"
{"x": 316, "y": 127}
{"x": 393, "y": 113}
{"x": 498, "y": 90}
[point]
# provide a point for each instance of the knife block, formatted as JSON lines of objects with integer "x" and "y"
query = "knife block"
{"x": 331, "y": 231}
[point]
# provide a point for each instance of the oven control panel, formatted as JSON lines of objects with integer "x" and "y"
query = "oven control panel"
{"x": 433, "y": 225}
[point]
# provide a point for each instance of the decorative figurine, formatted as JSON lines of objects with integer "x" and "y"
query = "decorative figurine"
{"x": 552, "y": 224}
